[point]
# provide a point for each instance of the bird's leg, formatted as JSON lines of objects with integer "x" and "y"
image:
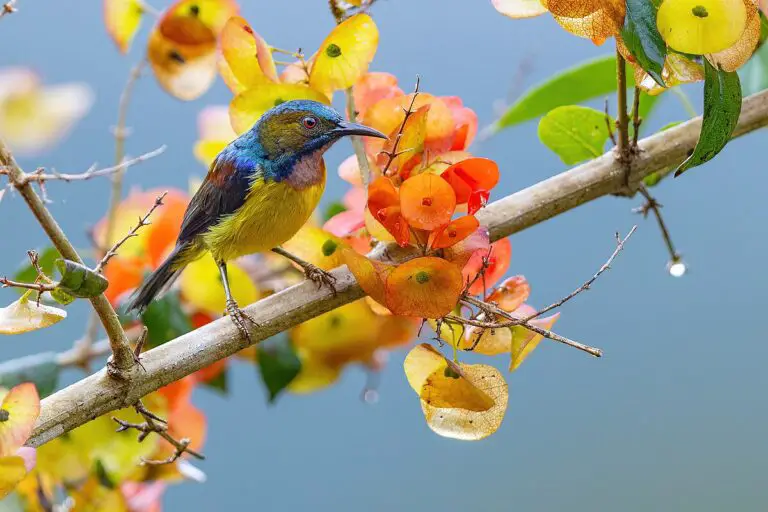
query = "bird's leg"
{"x": 313, "y": 272}
{"x": 237, "y": 315}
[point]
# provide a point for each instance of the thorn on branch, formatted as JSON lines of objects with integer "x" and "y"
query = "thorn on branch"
{"x": 134, "y": 231}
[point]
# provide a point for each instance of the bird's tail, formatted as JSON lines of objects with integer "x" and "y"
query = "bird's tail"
{"x": 160, "y": 280}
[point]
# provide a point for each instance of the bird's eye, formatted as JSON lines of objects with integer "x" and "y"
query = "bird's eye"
{"x": 309, "y": 122}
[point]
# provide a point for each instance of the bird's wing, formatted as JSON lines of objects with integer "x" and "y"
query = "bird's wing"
{"x": 223, "y": 191}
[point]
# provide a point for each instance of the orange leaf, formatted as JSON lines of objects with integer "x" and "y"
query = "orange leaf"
{"x": 424, "y": 287}
{"x": 372, "y": 275}
{"x": 427, "y": 201}
{"x": 477, "y": 242}
{"x": 511, "y": 294}
{"x": 373, "y": 87}
{"x": 410, "y": 146}
{"x": 383, "y": 203}
{"x": 498, "y": 264}
{"x": 471, "y": 175}
{"x": 453, "y": 233}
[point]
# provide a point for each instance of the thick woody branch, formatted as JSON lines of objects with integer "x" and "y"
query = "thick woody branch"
{"x": 98, "y": 394}
{"x": 122, "y": 355}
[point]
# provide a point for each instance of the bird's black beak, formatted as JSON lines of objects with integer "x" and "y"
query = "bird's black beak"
{"x": 346, "y": 128}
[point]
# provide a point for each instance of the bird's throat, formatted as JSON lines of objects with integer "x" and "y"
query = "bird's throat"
{"x": 308, "y": 171}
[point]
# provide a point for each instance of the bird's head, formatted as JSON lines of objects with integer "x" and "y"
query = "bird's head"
{"x": 301, "y": 127}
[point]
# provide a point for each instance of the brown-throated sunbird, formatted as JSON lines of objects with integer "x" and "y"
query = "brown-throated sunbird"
{"x": 259, "y": 191}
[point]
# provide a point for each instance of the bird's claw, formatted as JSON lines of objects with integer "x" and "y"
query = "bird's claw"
{"x": 321, "y": 277}
{"x": 239, "y": 318}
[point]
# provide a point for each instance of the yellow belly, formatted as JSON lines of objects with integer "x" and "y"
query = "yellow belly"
{"x": 273, "y": 212}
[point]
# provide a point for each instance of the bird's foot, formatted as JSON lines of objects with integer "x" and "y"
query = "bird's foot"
{"x": 240, "y": 318}
{"x": 320, "y": 276}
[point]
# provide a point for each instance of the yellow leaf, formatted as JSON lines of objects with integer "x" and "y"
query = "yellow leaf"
{"x": 524, "y": 341}
{"x": 441, "y": 383}
{"x": 470, "y": 425}
{"x": 317, "y": 246}
{"x": 12, "y": 471}
{"x": 701, "y": 26}
{"x": 246, "y": 54}
{"x": 92, "y": 496}
{"x": 26, "y": 315}
{"x": 315, "y": 374}
{"x": 122, "y": 18}
{"x": 18, "y": 413}
{"x": 247, "y": 107}
{"x": 489, "y": 342}
{"x": 345, "y": 54}
{"x": 201, "y": 286}
{"x": 34, "y": 117}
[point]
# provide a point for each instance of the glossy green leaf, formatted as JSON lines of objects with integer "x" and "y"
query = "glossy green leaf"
{"x": 643, "y": 39}
{"x": 80, "y": 281}
{"x": 279, "y": 365}
{"x": 42, "y": 369}
{"x": 722, "y": 107}
{"x": 575, "y": 133}
{"x": 165, "y": 320}
{"x": 584, "y": 82}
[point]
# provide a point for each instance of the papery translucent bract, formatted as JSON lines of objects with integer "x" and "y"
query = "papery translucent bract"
{"x": 488, "y": 342}
{"x": 701, "y": 26}
{"x": 453, "y": 233}
{"x": 25, "y": 315}
{"x": 737, "y": 55}
{"x": 374, "y": 87}
{"x": 498, "y": 264}
{"x": 384, "y": 205}
{"x": 461, "y": 253}
{"x": 465, "y": 120}
{"x": 427, "y": 201}
{"x": 345, "y": 54}
{"x": 424, "y": 287}
{"x": 519, "y": 8}
{"x": 606, "y": 21}
{"x": 247, "y": 107}
{"x": 441, "y": 383}
{"x": 511, "y": 294}
{"x": 470, "y": 425}
{"x": 19, "y": 411}
{"x": 201, "y": 286}
{"x": 34, "y": 117}
{"x": 371, "y": 275}
{"x": 182, "y": 46}
{"x": 410, "y": 145}
{"x": 247, "y": 55}
{"x": 470, "y": 178}
{"x": 317, "y": 246}
{"x": 122, "y": 19}
{"x": 524, "y": 341}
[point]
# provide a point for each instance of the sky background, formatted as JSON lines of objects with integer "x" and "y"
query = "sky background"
{"x": 672, "y": 418}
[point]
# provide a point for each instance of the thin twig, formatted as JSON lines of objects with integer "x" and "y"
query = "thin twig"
{"x": 393, "y": 153}
{"x": 357, "y": 142}
{"x": 40, "y": 176}
{"x": 622, "y": 122}
{"x": 39, "y": 287}
{"x": 586, "y": 286}
{"x": 610, "y": 124}
{"x": 652, "y": 205}
{"x": 153, "y": 423}
{"x": 636, "y": 120}
{"x": 120, "y": 133}
{"x": 79, "y": 356}
{"x": 134, "y": 231}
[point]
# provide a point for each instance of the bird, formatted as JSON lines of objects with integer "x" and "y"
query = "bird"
{"x": 258, "y": 192}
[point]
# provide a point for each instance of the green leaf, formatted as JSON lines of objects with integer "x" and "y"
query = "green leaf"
{"x": 42, "y": 369}
{"x": 220, "y": 383}
{"x": 80, "y": 281}
{"x": 722, "y": 106}
{"x": 586, "y": 81}
{"x": 61, "y": 296}
{"x": 46, "y": 260}
{"x": 575, "y": 133}
{"x": 643, "y": 39}
{"x": 279, "y": 365}
{"x": 165, "y": 320}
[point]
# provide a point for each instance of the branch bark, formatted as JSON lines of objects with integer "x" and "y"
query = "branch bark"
{"x": 97, "y": 394}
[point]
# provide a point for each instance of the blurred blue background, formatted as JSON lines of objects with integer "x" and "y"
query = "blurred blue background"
{"x": 672, "y": 418}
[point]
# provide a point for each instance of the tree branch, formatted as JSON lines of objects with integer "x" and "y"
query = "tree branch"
{"x": 122, "y": 355}
{"x": 97, "y": 394}
{"x": 357, "y": 142}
